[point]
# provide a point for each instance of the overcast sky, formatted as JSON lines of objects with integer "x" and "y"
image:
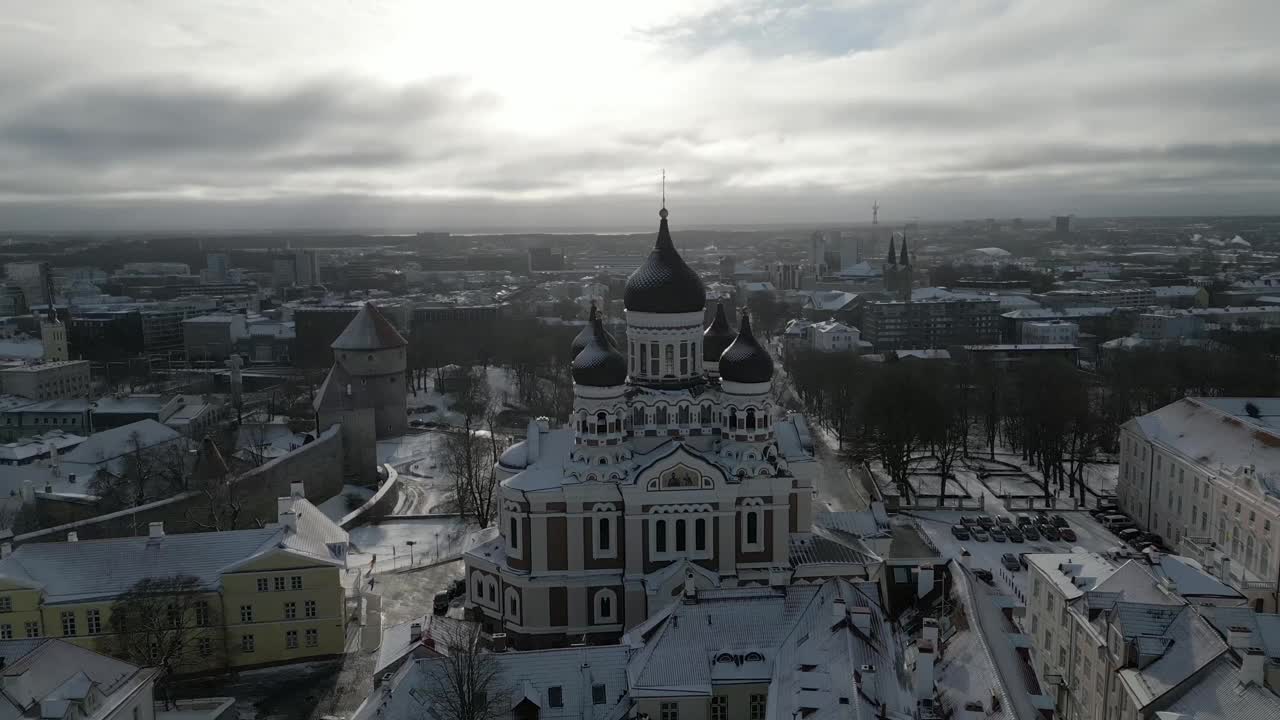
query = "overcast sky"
{"x": 478, "y": 114}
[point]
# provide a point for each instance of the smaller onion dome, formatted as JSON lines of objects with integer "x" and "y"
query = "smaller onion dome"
{"x": 599, "y": 364}
{"x": 717, "y": 336}
{"x": 746, "y": 360}
{"x": 584, "y": 337}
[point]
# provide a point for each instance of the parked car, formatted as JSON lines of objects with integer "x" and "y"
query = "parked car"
{"x": 1050, "y": 533}
{"x": 968, "y": 520}
{"x": 1015, "y": 535}
{"x": 1010, "y": 562}
{"x": 1129, "y": 534}
{"x": 985, "y": 576}
{"x": 440, "y": 604}
{"x": 1005, "y": 520}
{"x": 986, "y": 522}
{"x": 1111, "y": 521}
{"x": 1025, "y": 520}
{"x": 1067, "y": 534}
{"x": 1060, "y": 522}
{"x": 1030, "y": 533}
{"x": 997, "y": 535}
{"x": 980, "y": 535}
{"x": 960, "y": 532}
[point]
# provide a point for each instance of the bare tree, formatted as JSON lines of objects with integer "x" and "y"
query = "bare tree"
{"x": 469, "y": 459}
{"x": 143, "y": 474}
{"x": 221, "y": 504}
{"x": 167, "y": 623}
{"x": 897, "y": 400}
{"x": 465, "y": 684}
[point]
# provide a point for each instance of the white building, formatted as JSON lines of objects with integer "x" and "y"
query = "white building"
{"x": 1204, "y": 473}
{"x": 1050, "y": 332}
{"x": 47, "y": 380}
{"x": 834, "y": 336}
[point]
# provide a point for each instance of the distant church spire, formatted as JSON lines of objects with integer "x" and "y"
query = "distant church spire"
{"x": 893, "y": 255}
{"x": 905, "y": 259}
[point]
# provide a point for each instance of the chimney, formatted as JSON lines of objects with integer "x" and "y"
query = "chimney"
{"x": 155, "y": 529}
{"x": 415, "y": 632}
{"x": 1224, "y": 570}
{"x": 867, "y": 681}
{"x": 778, "y": 577}
{"x": 929, "y": 631}
{"x": 924, "y": 580}
{"x": 297, "y": 490}
{"x": 532, "y": 438}
{"x": 860, "y": 619}
{"x": 1238, "y": 637}
{"x": 924, "y": 670}
{"x": 73, "y": 536}
{"x": 839, "y": 611}
{"x": 1253, "y": 665}
{"x": 283, "y": 505}
{"x": 289, "y": 520}
{"x": 498, "y": 642}
{"x": 690, "y": 590}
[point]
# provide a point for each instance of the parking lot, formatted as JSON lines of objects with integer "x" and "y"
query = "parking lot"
{"x": 1090, "y": 536}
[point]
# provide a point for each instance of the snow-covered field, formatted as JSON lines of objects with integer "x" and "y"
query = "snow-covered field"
{"x": 385, "y": 546}
{"x": 410, "y": 447}
{"x": 502, "y": 389}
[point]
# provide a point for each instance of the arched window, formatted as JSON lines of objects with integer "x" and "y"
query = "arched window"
{"x": 513, "y": 604}
{"x": 669, "y": 356}
{"x": 753, "y": 528}
{"x": 606, "y": 602}
{"x": 700, "y": 534}
{"x": 605, "y": 533}
{"x": 705, "y": 416}
{"x": 733, "y": 419}
{"x": 660, "y": 536}
{"x": 513, "y": 533}
{"x": 662, "y": 416}
{"x": 681, "y": 540}
{"x": 751, "y": 418}
{"x": 637, "y": 417}
{"x": 493, "y": 590}
{"x": 477, "y": 589}
{"x": 684, "y": 415}
{"x": 602, "y": 422}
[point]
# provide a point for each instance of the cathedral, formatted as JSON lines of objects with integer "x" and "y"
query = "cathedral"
{"x": 897, "y": 272}
{"x": 675, "y": 473}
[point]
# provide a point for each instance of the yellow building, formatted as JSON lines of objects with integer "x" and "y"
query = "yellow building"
{"x": 254, "y": 597}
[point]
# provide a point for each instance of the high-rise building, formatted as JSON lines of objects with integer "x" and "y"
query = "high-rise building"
{"x": 306, "y": 266}
{"x": 900, "y": 325}
{"x": 216, "y": 267}
{"x": 1062, "y": 224}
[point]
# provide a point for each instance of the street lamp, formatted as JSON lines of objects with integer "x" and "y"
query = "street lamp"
{"x": 437, "y": 546}
{"x": 410, "y": 543}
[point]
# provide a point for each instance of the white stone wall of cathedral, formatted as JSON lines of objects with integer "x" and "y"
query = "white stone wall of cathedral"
{"x": 675, "y": 337}
{"x": 599, "y": 415}
{"x": 746, "y": 412}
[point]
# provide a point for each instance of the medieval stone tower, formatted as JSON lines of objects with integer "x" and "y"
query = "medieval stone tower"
{"x": 365, "y": 388}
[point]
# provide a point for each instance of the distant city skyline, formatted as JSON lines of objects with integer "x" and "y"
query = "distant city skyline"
{"x": 480, "y": 116}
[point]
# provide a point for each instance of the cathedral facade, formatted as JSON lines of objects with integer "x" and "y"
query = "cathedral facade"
{"x": 675, "y": 472}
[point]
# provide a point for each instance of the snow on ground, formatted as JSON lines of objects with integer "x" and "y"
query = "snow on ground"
{"x": 965, "y": 673}
{"x": 502, "y": 388}
{"x": 385, "y": 546}
{"x": 411, "y": 447}
{"x": 336, "y": 507}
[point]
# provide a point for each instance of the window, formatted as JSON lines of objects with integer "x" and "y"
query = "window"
{"x": 309, "y": 608}
{"x": 6, "y": 632}
{"x": 669, "y": 355}
{"x": 700, "y": 534}
{"x": 312, "y": 637}
{"x": 262, "y": 584}
{"x": 279, "y": 584}
{"x": 757, "y": 706}
{"x": 513, "y": 604}
{"x": 246, "y": 613}
{"x": 291, "y": 639}
{"x": 295, "y": 582}
{"x": 753, "y": 528}
{"x": 597, "y": 694}
{"x": 172, "y": 616}
{"x": 681, "y": 539}
{"x": 669, "y": 711}
{"x": 93, "y": 619}
{"x": 205, "y": 646}
{"x": 246, "y": 643}
{"x": 290, "y": 611}
{"x": 68, "y": 623}
{"x": 660, "y": 415}
{"x": 202, "y": 613}
{"x": 6, "y": 604}
{"x": 33, "y": 628}
{"x": 555, "y": 696}
{"x": 644, "y": 357}
{"x": 654, "y": 368}
{"x": 606, "y": 606}
{"x": 660, "y": 535}
{"x": 719, "y": 708}
{"x": 513, "y": 533}
{"x": 604, "y": 541}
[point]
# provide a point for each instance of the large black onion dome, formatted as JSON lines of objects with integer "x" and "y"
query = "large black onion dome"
{"x": 746, "y": 360}
{"x": 717, "y": 337}
{"x": 664, "y": 283}
{"x": 599, "y": 364}
{"x": 584, "y": 337}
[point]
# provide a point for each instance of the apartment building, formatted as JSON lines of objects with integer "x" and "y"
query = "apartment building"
{"x": 55, "y": 680}
{"x": 48, "y": 380}
{"x": 1121, "y": 641}
{"x": 1204, "y": 474}
{"x": 1100, "y": 297}
{"x": 261, "y": 597}
{"x": 938, "y": 323}
{"x": 1050, "y": 332}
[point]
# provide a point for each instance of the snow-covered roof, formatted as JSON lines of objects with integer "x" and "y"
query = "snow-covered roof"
{"x": 1264, "y": 628}
{"x": 110, "y": 444}
{"x": 90, "y": 569}
{"x": 520, "y": 676}
{"x": 830, "y": 300}
{"x": 1176, "y": 290}
{"x": 369, "y": 330}
{"x": 1220, "y": 434}
{"x": 1186, "y": 645}
{"x": 1189, "y": 579}
{"x": 53, "y": 672}
{"x": 1219, "y": 694}
{"x": 1072, "y": 573}
{"x": 993, "y": 252}
{"x": 21, "y": 349}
